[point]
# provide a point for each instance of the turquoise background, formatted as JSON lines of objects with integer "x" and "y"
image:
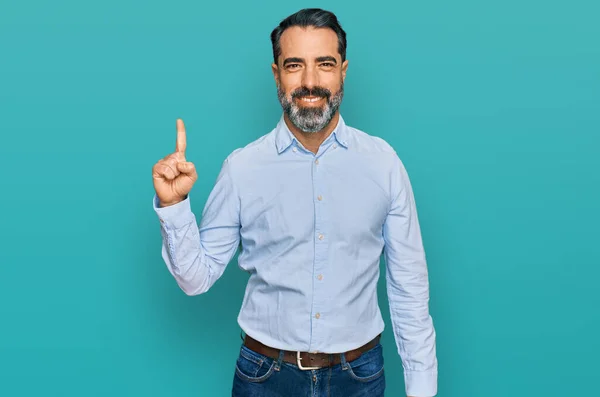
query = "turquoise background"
{"x": 493, "y": 107}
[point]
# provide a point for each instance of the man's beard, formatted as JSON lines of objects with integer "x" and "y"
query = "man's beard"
{"x": 311, "y": 118}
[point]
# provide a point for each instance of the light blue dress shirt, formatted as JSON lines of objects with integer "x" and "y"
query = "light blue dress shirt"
{"x": 312, "y": 229}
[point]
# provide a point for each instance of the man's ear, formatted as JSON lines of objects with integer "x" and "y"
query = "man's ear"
{"x": 275, "y": 70}
{"x": 344, "y": 69}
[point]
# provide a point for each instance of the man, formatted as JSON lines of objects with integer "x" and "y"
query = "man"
{"x": 314, "y": 203}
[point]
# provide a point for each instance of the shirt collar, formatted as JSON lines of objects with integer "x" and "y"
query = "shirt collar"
{"x": 284, "y": 137}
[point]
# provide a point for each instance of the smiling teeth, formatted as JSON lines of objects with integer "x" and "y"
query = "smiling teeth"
{"x": 310, "y": 100}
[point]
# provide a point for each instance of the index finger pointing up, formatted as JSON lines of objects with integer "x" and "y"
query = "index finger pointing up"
{"x": 181, "y": 140}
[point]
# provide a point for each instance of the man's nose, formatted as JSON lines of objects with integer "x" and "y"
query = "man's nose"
{"x": 310, "y": 78}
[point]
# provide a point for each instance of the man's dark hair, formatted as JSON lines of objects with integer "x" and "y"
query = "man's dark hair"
{"x": 314, "y": 17}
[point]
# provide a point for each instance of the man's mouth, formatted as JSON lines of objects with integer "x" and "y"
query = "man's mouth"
{"x": 310, "y": 99}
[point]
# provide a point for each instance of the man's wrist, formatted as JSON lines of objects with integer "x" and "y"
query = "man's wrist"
{"x": 170, "y": 203}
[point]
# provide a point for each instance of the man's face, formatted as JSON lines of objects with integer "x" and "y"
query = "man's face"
{"x": 310, "y": 76}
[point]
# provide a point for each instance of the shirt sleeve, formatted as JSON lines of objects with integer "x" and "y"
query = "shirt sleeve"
{"x": 408, "y": 288}
{"x": 197, "y": 255}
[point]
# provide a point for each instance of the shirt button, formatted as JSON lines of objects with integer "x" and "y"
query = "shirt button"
{"x": 320, "y": 197}
{"x": 320, "y": 277}
{"x": 334, "y": 145}
{"x": 294, "y": 149}
{"x": 318, "y": 315}
{"x": 321, "y": 237}
{"x": 317, "y": 161}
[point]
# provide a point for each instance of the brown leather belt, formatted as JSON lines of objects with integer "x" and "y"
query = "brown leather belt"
{"x": 305, "y": 360}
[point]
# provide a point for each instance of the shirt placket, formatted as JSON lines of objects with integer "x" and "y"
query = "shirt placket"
{"x": 321, "y": 239}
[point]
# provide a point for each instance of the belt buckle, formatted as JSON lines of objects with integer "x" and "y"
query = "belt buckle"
{"x": 299, "y": 359}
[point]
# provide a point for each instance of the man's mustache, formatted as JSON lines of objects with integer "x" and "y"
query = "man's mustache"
{"x": 315, "y": 91}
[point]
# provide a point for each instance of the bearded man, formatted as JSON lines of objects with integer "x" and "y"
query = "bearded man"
{"x": 312, "y": 204}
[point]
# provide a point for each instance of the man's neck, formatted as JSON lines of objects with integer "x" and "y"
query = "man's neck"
{"x": 312, "y": 140}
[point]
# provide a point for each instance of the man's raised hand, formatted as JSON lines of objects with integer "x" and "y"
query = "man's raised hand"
{"x": 173, "y": 176}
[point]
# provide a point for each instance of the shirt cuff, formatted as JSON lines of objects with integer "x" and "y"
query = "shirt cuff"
{"x": 176, "y": 215}
{"x": 421, "y": 383}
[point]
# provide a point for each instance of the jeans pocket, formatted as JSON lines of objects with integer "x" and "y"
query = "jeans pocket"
{"x": 369, "y": 366}
{"x": 254, "y": 367}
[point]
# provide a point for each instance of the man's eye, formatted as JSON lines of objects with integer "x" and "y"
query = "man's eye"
{"x": 291, "y": 66}
{"x": 327, "y": 64}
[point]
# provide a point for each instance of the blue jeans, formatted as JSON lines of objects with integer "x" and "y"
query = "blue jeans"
{"x": 257, "y": 375}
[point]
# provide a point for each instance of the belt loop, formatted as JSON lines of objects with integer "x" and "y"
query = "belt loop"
{"x": 343, "y": 361}
{"x": 279, "y": 360}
